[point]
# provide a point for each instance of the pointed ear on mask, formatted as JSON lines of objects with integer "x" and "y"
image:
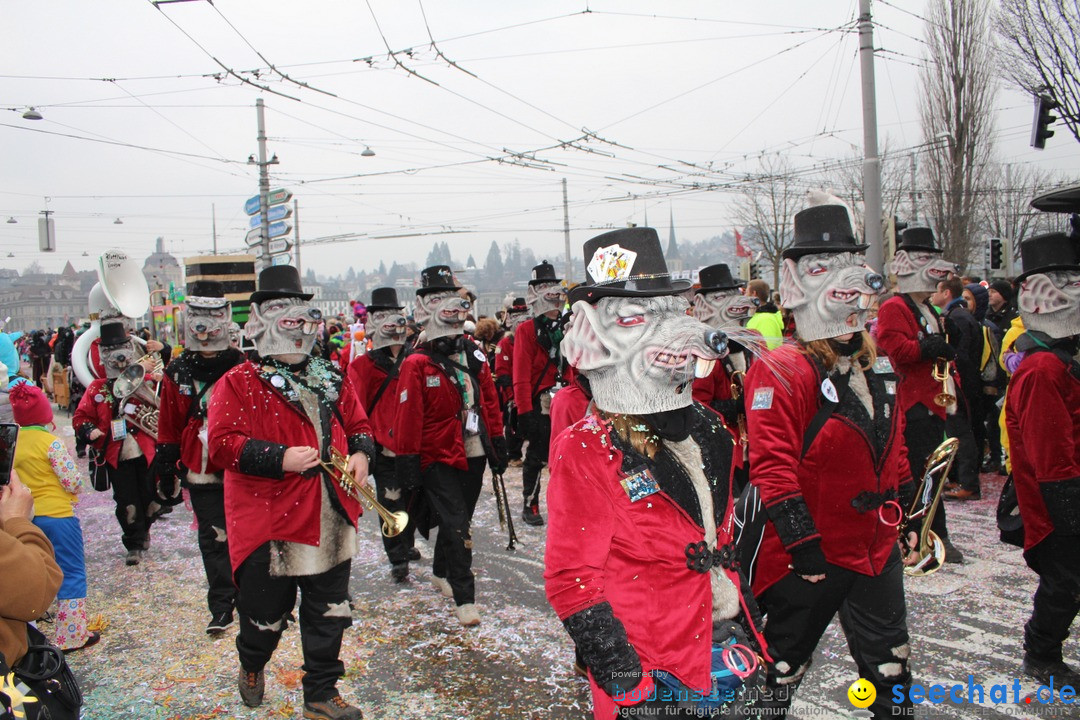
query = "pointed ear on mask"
{"x": 901, "y": 264}
{"x": 791, "y": 291}
{"x": 1037, "y": 294}
{"x": 255, "y": 324}
{"x": 583, "y": 347}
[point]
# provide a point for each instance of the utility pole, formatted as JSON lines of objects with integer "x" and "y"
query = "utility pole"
{"x": 296, "y": 234}
{"x": 264, "y": 187}
{"x": 566, "y": 233}
{"x": 875, "y": 254}
{"x": 213, "y": 224}
{"x": 914, "y": 194}
{"x": 1010, "y": 224}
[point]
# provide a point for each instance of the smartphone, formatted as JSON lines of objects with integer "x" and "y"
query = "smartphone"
{"x": 9, "y": 435}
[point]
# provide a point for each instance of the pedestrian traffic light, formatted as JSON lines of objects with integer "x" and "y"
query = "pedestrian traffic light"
{"x": 755, "y": 271}
{"x": 1043, "y": 120}
{"x": 997, "y": 260}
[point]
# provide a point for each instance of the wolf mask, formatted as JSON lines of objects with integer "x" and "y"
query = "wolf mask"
{"x": 1049, "y": 302}
{"x": 385, "y": 328}
{"x": 207, "y": 328}
{"x": 724, "y": 308}
{"x": 544, "y": 297}
{"x": 919, "y": 271}
{"x": 829, "y": 293}
{"x": 283, "y": 326}
{"x": 640, "y": 354}
{"x": 442, "y": 313}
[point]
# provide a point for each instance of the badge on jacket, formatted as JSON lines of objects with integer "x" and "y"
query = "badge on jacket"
{"x": 433, "y": 381}
{"x": 762, "y": 399}
{"x": 185, "y": 389}
{"x": 640, "y": 485}
{"x": 883, "y": 366}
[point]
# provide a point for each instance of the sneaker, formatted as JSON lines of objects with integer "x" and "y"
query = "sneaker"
{"x": 442, "y": 586}
{"x": 399, "y": 572}
{"x": 90, "y": 641}
{"x": 333, "y": 709}
{"x": 252, "y": 685}
{"x": 414, "y": 554}
{"x": 132, "y": 557}
{"x": 531, "y": 515}
{"x": 219, "y": 622}
{"x": 1044, "y": 670}
{"x": 952, "y": 553}
{"x": 467, "y": 615}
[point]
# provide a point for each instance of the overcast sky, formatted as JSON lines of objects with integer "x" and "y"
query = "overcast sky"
{"x": 142, "y": 124}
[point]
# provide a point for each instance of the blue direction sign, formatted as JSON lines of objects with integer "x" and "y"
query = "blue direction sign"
{"x": 276, "y": 212}
{"x": 275, "y": 197}
{"x": 282, "y": 259}
{"x": 280, "y": 228}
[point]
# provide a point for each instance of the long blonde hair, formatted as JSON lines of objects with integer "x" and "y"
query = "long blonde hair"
{"x": 826, "y": 354}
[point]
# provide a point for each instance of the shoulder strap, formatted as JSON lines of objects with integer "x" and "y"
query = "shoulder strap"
{"x": 827, "y": 407}
{"x": 390, "y": 375}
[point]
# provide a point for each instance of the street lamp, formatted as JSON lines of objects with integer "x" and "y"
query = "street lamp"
{"x": 11, "y": 220}
{"x": 117, "y": 221}
{"x": 368, "y": 152}
{"x": 32, "y": 114}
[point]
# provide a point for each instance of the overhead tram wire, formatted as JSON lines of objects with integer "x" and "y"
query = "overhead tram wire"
{"x": 175, "y": 125}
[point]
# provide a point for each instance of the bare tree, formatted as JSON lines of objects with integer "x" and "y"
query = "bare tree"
{"x": 765, "y": 209}
{"x": 1038, "y": 44}
{"x": 1008, "y": 208}
{"x": 956, "y": 108}
{"x": 846, "y": 182}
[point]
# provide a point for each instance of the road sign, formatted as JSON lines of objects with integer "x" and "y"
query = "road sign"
{"x": 282, "y": 259}
{"x": 258, "y": 251}
{"x": 275, "y": 197}
{"x": 275, "y": 213}
{"x": 253, "y": 237}
{"x": 279, "y": 246}
{"x": 279, "y": 228}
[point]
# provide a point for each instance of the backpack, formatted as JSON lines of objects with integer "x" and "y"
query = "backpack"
{"x": 989, "y": 370}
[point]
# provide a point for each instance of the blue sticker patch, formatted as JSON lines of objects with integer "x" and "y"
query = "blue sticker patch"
{"x": 640, "y": 485}
{"x": 434, "y": 381}
{"x": 762, "y": 399}
{"x": 883, "y": 365}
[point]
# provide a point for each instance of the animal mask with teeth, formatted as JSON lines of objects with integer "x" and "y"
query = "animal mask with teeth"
{"x": 385, "y": 328}
{"x": 1049, "y": 302}
{"x": 724, "y": 308}
{"x": 640, "y": 354}
{"x": 208, "y": 328}
{"x": 544, "y": 297}
{"x": 116, "y": 358}
{"x": 829, "y": 293}
{"x": 442, "y": 313}
{"x": 283, "y": 326}
{"x": 919, "y": 271}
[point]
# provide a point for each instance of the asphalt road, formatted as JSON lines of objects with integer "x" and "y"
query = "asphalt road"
{"x": 407, "y": 657}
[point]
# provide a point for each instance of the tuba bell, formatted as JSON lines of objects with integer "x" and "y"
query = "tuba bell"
{"x": 929, "y": 554}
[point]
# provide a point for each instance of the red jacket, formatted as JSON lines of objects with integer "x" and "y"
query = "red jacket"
{"x": 428, "y": 418}
{"x": 504, "y": 367}
{"x": 1042, "y": 416}
{"x": 898, "y": 334}
{"x": 367, "y": 374}
{"x": 96, "y": 411}
{"x": 603, "y": 547}
{"x": 251, "y": 424}
{"x": 534, "y": 368}
{"x": 714, "y": 386}
{"x": 852, "y": 458}
{"x": 567, "y": 407}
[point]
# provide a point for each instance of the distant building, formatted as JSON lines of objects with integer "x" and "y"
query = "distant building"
{"x": 161, "y": 269}
{"x": 40, "y": 305}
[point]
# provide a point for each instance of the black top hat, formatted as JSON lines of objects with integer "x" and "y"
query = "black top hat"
{"x": 209, "y": 294}
{"x": 113, "y": 334}
{"x": 437, "y": 278}
{"x": 918, "y": 238}
{"x": 823, "y": 229}
{"x": 544, "y": 273}
{"x": 518, "y": 306}
{"x": 1052, "y": 251}
{"x": 279, "y": 281}
{"x": 717, "y": 277}
{"x": 384, "y": 298}
{"x": 636, "y": 269}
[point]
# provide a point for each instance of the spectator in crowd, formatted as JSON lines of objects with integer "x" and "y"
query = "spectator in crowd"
{"x": 767, "y": 320}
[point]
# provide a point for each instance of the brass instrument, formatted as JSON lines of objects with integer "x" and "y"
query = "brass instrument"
{"x": 338, "y": 469}
{"x": 930, "y": 552}
{"x": 139, "y": 380}
{"x": 941, "y": 374}
{"x": 503, "y": 505}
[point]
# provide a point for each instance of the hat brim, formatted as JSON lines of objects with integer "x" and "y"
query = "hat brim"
{"x": 1044, "y": 269}
{"x": 544, "y": 281}
{"x": 260, "y": 296}
{"x": 378, "y": 308}
{"x": 421, "y": 292}
{"x": 206, "y": 303}
{"x": 920, "y": 248}
{"x": 717, "y": 288}
{"x": 592, "y": 293}
{"x": 793, "y": 253}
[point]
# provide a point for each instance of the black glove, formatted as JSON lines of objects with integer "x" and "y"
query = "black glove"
{"x": 808, "y": 559}
{"x": 168, "y": 481}
{"x": 1062, "y": 500}
{"x": 503, "y": 381}
{"x": 526, "y": 425}
{"x": 407, "y": 471}
{"x": 499, "y": 458}
{"x": 934, "y": 346}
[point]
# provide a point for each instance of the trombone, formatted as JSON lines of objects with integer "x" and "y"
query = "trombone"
{"x": 338, "y": 469}
{"x": 930, "y": 552}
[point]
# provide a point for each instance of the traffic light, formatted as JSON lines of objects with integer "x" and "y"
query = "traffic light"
{"x": 1043, "y": 119}
{"x": 755, "y": 271}
{"x": 997, "y": 260}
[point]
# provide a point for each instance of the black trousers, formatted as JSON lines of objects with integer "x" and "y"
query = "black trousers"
{"x": 873, "y": 616}
{"x": 208, "y": 502}
{"x": 453, "y": 494}
{"x": 265, "y": 603}
{"x": 133, "y": 492}
{"x": 536, "y": 456}
{"x": 993, "y": 429}
{"x": 397, "y": 547}
{"x": 1057, "y": 599}
{"x": 514, "y": 441}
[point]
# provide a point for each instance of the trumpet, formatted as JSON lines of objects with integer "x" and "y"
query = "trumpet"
{"x": 930, "y": 552}
{"x": 140, "y": 382}
{"x": 393, "y": 523}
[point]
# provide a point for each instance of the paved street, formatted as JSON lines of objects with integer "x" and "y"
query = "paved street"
{"x": 408, "y": 658}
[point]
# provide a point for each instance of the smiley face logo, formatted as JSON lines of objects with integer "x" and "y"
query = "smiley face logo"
{"x": 861, "y": 693}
